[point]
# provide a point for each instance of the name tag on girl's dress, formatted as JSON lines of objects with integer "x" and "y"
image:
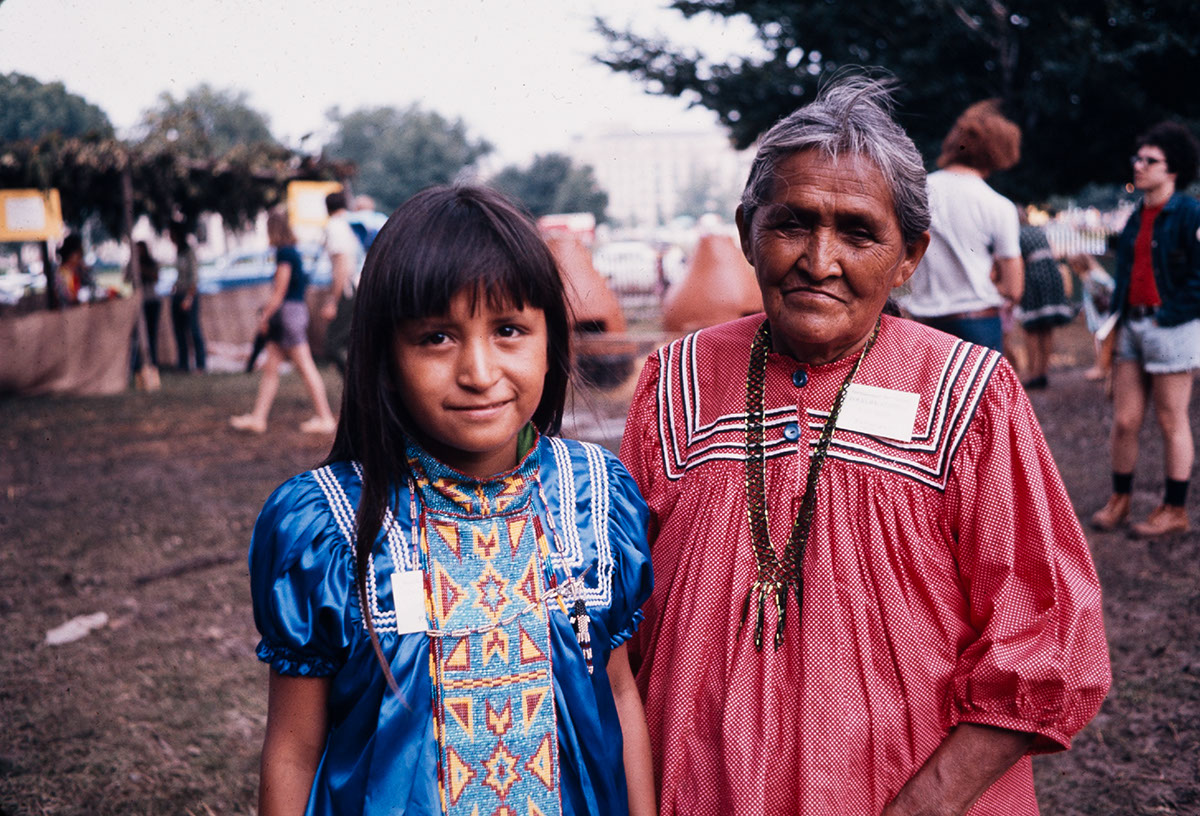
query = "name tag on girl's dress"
{"x": 408, "y": 596}
{"x": 879, "y": 412}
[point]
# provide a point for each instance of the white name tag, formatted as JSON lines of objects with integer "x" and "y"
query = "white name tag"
{"x": 408, "y": 595}
{"x": 879, "y": 412}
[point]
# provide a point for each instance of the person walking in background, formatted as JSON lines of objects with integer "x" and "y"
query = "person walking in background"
{"x": 1157, "y": 300}
{"x": 1045, "y": 304}
{"x": 975, "y": 231}
{"x": 345, "y": 256}
{"x": 284, "y": 320}
{"x": 185, "y": 302}
{"x": 151, "y": 304}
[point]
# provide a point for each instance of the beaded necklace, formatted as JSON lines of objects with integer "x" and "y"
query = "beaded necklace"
{"x": 775, "y": 575}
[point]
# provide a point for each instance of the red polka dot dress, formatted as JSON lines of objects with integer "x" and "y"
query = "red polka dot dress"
{"x": 946, "y": 579}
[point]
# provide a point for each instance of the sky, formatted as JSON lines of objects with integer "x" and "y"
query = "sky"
{"x": 519, "y": 73}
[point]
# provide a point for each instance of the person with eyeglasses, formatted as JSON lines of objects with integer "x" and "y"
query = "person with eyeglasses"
{"x": 1157, "y": 297}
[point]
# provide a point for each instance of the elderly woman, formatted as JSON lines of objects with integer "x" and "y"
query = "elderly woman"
{"x": 871, "y": 591}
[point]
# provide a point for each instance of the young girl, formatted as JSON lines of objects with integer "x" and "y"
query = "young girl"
{"x": 444, "y": 604}
{"x": 284, "y": 322}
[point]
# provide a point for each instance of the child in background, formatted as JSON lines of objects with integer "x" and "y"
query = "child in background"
{"x": 445, "y": 603}
{"x": 1097, "y": 297}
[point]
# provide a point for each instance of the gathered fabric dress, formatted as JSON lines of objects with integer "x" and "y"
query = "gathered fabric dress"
{"x": 503, "y": 707}
{"x": 946, "y": 579}
{"x": 1044, "y": 302}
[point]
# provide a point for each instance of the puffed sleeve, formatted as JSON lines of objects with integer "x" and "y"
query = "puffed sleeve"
{"x": 1040, "y": 661}
{"x": 301, "y": 581}
{"x": 639, "y": 444}
{"x": 632, "y": 575}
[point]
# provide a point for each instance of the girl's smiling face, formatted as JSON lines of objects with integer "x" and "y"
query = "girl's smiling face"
{"x": 471, "y": 379}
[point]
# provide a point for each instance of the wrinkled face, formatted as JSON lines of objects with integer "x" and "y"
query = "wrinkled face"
{"x": 827, "y": 250}
{"x": 471, "y": 379}
{"x": 1150, "y": 169}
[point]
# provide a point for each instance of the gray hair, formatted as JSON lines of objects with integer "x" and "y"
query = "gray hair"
{"x": 851, "y": 115}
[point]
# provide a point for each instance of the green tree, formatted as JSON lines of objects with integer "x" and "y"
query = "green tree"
{"x": 206, "y": 123}
{"x": 552, "y": 184}
{"x": 30, "y": 109}
{"x": 1082, "y": 78}
{"x": 400, "y": 152}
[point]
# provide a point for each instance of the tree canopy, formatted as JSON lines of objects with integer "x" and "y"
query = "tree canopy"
{"x": 208, "y": 152}
{"x": 551, "y": 184}
{"x": 400, "y": 152}
{"x": 207, "y": 122}
{"x": 1081, "y": 78}
{"x": 30, "y": 109}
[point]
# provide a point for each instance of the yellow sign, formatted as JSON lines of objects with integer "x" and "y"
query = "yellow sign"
{"x": 306, "y": 202}
{"x": 30, "y": 215}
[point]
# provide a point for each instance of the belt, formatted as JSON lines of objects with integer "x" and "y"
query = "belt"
{"x": 1140, "y": 312}
{"x": 978, "y": 314}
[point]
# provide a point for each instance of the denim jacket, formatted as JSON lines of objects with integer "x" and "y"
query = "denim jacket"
{"x": 1175, "y": 253}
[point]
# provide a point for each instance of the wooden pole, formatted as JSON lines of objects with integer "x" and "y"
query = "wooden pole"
{"x": 146, "y": 376}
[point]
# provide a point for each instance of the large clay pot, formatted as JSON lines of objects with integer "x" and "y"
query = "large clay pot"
{"x": 596, "y": 312}
{"x": 719, "y": 285}
{"x": 593, "y": 305}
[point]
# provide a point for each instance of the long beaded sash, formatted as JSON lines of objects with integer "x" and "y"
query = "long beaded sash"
{"x": 494, "y": 700}
{"x": 776, "y": 575}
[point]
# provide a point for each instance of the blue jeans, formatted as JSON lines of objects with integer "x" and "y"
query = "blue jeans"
{"x": 985, "y": 331}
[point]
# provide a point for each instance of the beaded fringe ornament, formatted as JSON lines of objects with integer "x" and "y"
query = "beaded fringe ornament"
{"x": 776, "y": 575}
{"x": 580, "y": 621}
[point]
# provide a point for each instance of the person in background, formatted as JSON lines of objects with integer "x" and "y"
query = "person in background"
{"x": 1157, "y": 299}
{"x": 345, "y": 256}
{"x": 185, "y": 303}
{"x": 72, "y": 276}
{"x": 1045, "y": 304}
{"x": 1097, "y": 289}
{"x": 975, "y": 230}
{"x": 151, "y": 304}
{"x": 284, "y": 321}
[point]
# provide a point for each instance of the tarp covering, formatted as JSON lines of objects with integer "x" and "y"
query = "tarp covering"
{"x": 80, "y": 350}
{"x": 85, "y": 350}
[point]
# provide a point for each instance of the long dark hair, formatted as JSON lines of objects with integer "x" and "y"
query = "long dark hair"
{"x": 440, "y": 242}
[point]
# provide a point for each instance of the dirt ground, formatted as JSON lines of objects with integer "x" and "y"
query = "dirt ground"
{"x": 140, "y": 506}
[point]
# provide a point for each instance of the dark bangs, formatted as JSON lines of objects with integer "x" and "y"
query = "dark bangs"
{"x": 452, "y": 244}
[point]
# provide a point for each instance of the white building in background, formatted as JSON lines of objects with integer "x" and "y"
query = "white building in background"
{"x": 651, "y": 178}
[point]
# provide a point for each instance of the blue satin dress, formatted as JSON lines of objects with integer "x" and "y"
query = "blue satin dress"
{"x": 438, "y": 748}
